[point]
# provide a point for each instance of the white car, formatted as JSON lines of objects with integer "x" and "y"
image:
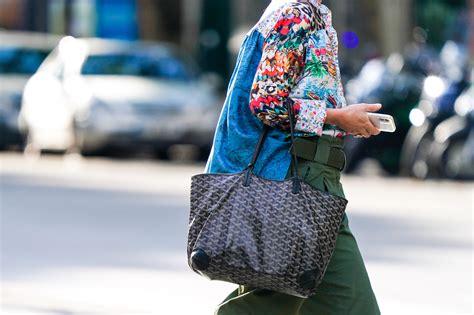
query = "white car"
{"x": 21, "y": 54}
{"x": 91, "y": 94}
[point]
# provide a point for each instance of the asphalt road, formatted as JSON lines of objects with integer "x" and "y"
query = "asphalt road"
{"x": 99, "y": 236}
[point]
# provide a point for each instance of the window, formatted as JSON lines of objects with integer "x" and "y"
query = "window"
{"x": 17, "y": 60}
{"x": 146, "y": 65}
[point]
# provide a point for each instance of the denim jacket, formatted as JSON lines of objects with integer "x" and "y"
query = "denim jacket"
{"x": 289, "y": 58}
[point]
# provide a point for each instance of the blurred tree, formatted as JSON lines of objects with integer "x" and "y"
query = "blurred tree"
{"x": 160, "y": 19}
{"x": 436, "y": 17}
{"x": 213, "y": 37}
{"x": 395, "y": 24}
{"x": 35, "y": 16}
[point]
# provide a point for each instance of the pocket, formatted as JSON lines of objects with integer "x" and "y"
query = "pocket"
{"x": 319, "y": 176}
{"x": 314, "y": 175}
{"x": 303, "y": 167}
{"x": 322, "y": 177}
{"x": 331, "y": 181}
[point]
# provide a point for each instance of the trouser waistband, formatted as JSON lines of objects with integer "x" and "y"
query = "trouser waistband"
{"x": 324, "y": 149}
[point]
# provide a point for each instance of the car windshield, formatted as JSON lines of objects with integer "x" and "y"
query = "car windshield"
{"x": 163, "y": 67}
{"x": 14, "y": 60}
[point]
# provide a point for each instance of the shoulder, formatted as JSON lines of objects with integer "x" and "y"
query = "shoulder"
{"x": 300, "y": 8}
{"x": 300, "y": 15}
{"x": 290, "y": 16}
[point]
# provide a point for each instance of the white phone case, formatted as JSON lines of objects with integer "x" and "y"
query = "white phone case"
{"x": 383, "y": 122}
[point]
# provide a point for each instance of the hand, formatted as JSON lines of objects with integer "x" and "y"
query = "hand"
{"x": 354, "y": 119}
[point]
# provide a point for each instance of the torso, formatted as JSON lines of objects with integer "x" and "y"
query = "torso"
{"x": 238, "y": 129}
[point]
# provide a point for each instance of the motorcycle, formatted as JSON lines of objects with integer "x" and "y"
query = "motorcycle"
{"x": 436, "y": 105}
{"x": 397, "y": 84}
{"x": 452, "y": 151}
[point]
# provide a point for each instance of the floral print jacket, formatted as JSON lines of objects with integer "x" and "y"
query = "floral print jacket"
{"x": 288, "y": 57}
{"x": 299, "y": 65}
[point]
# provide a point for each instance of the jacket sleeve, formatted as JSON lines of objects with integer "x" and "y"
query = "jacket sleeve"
{"x": 280, "y": 66}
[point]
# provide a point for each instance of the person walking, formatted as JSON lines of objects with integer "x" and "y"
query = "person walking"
{"x": 291, "y": 57}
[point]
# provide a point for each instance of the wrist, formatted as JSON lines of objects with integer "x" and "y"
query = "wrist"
{"x": 332, "y": 116}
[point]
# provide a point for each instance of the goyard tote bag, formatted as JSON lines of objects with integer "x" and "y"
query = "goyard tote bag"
{"x": 276, "y": 235}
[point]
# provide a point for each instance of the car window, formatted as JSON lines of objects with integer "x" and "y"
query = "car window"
{"x": 14, "y": 60}
{"x": 164, "y": 67}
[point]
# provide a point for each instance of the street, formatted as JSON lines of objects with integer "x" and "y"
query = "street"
{"x": 108, "y": 236}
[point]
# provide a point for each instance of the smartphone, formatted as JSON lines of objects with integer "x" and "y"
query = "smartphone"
{"x": 383, "y": 122}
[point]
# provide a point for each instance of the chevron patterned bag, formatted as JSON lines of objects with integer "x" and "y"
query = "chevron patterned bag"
{"x": 275, "y": 235}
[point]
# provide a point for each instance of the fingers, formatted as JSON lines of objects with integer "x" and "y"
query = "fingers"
{"x": 363, "y": 132}
{"x": 359, "y": 121}
{"x": 361, "y": 136}
{"x": 372, "y": 107}
{"x": 369, "y": 126}
{"x": 372, "y": 129}
{"x": 368, "y": 131}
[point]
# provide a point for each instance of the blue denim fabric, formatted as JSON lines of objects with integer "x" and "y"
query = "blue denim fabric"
{"x": 238, "y": 129}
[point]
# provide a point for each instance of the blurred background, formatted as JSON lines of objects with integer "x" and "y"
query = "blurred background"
{"x": 107, "y": 107}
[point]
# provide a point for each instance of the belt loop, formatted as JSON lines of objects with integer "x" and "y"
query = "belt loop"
{"x": 322, "y": 151}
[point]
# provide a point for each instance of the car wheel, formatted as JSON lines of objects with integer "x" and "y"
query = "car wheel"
{"x": 161, "y": 153}
{"x": 79, "y": 145}
{"x": 204, "y": 153}
{"x": 31, "y": 147}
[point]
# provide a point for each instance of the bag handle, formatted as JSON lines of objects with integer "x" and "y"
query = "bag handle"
{"x": 258, "y": 148}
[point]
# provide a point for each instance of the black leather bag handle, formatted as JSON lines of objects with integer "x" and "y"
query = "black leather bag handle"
{"x": 258, "y": 148}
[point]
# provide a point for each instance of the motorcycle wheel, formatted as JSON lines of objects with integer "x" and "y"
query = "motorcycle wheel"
{"x": 452, "y": 161}
{"x": 411, "y": 147}
{"x": 419, "y": 168}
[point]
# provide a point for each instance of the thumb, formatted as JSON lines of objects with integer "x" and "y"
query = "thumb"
{"x": 373, "y": 107}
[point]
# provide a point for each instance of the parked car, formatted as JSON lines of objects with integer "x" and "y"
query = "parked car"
{"x": 21, "y": 53}
{"x": 91, "y": 94}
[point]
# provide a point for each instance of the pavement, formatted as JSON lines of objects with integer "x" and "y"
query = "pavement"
{"x": 108, "y": 236}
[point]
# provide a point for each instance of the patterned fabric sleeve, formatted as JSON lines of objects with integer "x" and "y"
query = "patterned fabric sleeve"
{"x": 280, "y": 66}
{"x": 340, "y": 93}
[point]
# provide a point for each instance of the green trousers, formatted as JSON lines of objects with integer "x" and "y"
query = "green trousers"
{"x": 345, "y": 288}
